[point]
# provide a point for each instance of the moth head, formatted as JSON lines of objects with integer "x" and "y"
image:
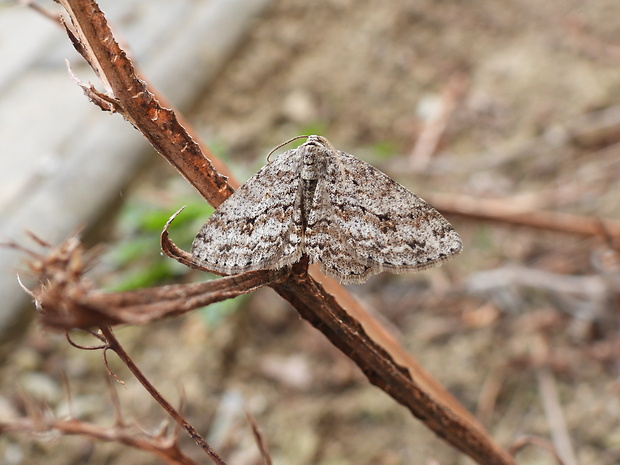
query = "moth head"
{"x": 318, "y": 141}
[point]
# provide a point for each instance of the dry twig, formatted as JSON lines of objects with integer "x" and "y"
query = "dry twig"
{"x": 68, "y": 300}
{"x": 590, "y": 293}
{"x": 260, "y": 440}
{"x": 505, "y": 211}
{"x": 524, "y": 441}
{"x": 114, "y": 345}
{"x": 551, "y": 405}
{"x": 430, "y": 136}
{"x": 163, "y": 448}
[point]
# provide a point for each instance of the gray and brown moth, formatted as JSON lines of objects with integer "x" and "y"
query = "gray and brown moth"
{"x": 324, "y": 203}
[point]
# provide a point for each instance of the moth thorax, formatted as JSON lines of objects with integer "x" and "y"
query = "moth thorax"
{"x": 313, "y": 166}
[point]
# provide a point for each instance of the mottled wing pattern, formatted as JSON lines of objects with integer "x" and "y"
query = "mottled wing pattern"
{"x": 363, "y": 222}
{"x": 259, "y": 226}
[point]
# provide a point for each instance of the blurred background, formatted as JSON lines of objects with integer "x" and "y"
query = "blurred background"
{"x": 514, "y": 102}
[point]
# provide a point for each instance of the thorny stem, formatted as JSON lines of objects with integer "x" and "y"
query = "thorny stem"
{"x": 114, "y": 344}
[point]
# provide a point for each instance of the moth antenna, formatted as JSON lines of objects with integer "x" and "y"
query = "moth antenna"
{"x": 283, "y": 144}
{"x": 326, "y": 143}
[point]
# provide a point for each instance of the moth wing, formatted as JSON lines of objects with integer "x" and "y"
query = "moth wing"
{"x": 259, "y": 226}
{"x": 363, "y": 222}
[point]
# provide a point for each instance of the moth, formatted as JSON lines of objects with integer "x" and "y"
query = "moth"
{"x": 338, "y": 210}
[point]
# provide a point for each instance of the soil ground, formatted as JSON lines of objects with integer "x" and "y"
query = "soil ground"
{"x": 366, "y": 75}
